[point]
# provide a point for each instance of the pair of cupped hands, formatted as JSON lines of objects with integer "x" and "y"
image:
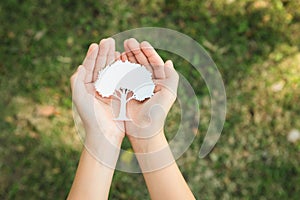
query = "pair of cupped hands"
{"x": 98, "y": 113}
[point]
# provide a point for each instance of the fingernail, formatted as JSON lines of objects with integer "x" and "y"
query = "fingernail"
{"x": 92, "y": 48}
{"x": 170, "y": 61}
{"x": 81, "y": 69}
{"x": 146, "y": 43}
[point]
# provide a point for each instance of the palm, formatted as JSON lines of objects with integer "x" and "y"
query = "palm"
{"x": 96, "y": 112}
{"x": 108, "y": 106}
{"x": 148, "y": 116}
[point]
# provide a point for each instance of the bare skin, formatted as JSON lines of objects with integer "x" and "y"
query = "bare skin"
{"x": 168, "y": 182}
{"x": 93, "y": 178}
{"x": 145, "y": 131}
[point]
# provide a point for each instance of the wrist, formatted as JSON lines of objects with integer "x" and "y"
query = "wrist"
{"x": 153, "y": 153}
{"x": 98, "y": 135}
{"x": 148, "y": 145}
{"x": 104, "y": 148}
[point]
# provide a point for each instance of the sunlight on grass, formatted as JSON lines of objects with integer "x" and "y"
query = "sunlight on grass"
{"x": 255, "y": 45}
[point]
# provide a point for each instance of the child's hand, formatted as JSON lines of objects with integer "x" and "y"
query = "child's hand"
{"x": 148, "y": 117}
{"x": 95, "y": 111}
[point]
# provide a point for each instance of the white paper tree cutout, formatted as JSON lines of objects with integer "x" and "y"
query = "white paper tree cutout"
{"x": 123, "y": 78}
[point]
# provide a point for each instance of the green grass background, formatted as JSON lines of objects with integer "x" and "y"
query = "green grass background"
{"x": 255, "y": 45}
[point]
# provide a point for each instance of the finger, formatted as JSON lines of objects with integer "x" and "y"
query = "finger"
{"x": 117, "y": 55}
{"x": 171, "y": 80}
{"x": 134, "y": 47}
{"x": 172, "y": 76}
{"x": 166, "y": 89}
{"x": 111, "y": 52}
{"x": 154, "y": 59}
{"x": 89, "y": 62}
{"x": 124, "y": 57}
{"x": 129, "y": 54}
{"x": 170, "y": 71}
{"x": 101, "y": 58}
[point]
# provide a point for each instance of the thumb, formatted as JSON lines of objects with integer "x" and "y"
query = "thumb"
{"x": 171, "y": 80}
{"x": 170, "y": 71}
{"x": 169, "y": 63}
{"x": 77, "y": 80}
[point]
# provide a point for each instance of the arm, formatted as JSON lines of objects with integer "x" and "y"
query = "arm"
{"x": 92, "y": 179}
{"x": 161, "y": 173}
{"x": 103, "y": 137}
{"x": 165, "y": 183}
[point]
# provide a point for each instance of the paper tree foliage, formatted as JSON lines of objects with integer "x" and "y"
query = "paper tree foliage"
{"x": 123, "y": 78}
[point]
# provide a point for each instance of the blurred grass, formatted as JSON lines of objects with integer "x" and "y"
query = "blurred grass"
{"x": 255, "y": 44}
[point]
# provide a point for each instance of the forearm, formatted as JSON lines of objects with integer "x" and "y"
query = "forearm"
{"x": 93, "y": 177}
{"x": 161, "y": 173}
{"x": 167, "y": 183}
